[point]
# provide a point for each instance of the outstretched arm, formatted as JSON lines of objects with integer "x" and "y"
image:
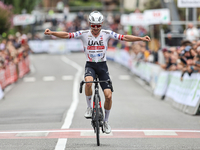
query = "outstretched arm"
{"x": 63, "y": 35}
{"x": 131, "y": 38}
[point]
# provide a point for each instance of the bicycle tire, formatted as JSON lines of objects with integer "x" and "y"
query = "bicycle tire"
{"x": 97, "y": 120}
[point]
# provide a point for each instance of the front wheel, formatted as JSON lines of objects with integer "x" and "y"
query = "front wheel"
{"x": 97, "y": 119}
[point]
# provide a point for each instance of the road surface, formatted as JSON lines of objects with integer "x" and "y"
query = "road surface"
{"x": 44, "y": 111}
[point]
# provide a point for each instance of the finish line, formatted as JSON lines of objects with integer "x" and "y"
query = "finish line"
{"x": 84, "y": 133}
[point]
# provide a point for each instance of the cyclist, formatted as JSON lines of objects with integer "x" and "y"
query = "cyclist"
{"x": 95, "y": 43}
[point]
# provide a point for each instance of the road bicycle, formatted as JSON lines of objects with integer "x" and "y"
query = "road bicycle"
{"x": 97, "y": 112}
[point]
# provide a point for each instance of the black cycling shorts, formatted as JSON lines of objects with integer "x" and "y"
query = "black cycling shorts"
{"x": 101, "y": 69}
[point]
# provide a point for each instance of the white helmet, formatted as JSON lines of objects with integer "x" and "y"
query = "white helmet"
{"x": 95, "y": 17}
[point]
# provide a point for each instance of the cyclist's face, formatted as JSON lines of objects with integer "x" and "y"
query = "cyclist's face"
{"x": 95, "y": 28}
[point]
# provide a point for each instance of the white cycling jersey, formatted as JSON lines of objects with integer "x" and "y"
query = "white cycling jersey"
{"x": 95, "y": 47}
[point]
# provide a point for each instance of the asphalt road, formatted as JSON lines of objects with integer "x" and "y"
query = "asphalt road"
{"x": 44, "y": 111}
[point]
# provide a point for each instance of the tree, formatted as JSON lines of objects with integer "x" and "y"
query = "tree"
{"x": 152, "y": 4}
{"x": 19, "y": 5}
{"x": 5, "y": 17}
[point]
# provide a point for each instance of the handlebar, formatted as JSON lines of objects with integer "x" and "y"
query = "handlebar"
{"x": 107, "y": 81}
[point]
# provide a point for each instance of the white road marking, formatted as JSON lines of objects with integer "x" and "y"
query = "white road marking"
{"x": 8, "y": 88}
{"x": 29, "y": 79}
{"x": 67, "y": 77}
{"x": 33, "y": 134}
{"x": 160, "y": 133}
{"x": 124, "y": 77}
{"x": 49, "y": 78}
{"x": 73, "y": 106}
{"x": 61, "y": 144}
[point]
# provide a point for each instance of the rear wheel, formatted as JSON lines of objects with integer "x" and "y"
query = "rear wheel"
{"x": 97, "y": 120}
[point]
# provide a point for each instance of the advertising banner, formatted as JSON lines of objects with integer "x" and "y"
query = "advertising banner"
{"x": 137, "y": 19}
{"x": 133, "y": 19}
{"x": 24, "y": 19}
{"x": 162, "y": 83}
{"x": 157, "y": 16}
{"x": 56, "y": 46}
{"x": 186, "y": 92}
{"x": 149, "y": 17}
{"x": 188, "y": 3}
{"x": 38, "y": 46}
{"x": 123, "y": 58}
{"x": 124, "y": 19}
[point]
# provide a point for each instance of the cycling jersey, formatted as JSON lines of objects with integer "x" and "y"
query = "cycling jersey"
{"x": 95, "y": 47}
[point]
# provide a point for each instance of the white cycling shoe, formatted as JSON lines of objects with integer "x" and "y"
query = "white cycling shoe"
{"x": 106, "y": 127}
{"x": 88, "y": 113}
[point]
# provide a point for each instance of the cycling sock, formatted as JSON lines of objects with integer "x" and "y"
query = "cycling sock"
{"x": 107, "y": 112}
{"x": 88, "y": 99}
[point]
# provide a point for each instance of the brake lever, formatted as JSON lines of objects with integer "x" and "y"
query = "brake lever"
{"x": 81, "y": 86}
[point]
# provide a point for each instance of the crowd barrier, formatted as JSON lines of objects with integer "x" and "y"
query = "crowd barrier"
{"x": 58, "y": 46}
{"x": 183, "y": 95}
{"x": 12, "y": 73}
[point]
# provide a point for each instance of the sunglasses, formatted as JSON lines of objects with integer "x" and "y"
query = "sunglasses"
{"x": 95, "y": 25}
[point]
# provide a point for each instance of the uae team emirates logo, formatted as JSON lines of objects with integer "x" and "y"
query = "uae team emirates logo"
{"x": 95, "y": 45}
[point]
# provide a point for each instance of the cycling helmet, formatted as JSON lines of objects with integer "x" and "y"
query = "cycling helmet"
{"x": 95, "y": 17}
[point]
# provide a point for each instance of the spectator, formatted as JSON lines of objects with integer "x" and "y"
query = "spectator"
{"x": 192, "y": 33}
{"x": 187, "y": 55}
{"x": 80, "y": 15}
{"x": 170, "y": 41}
{"x": 110, "y": 18}
{"x": 162, "y": 57}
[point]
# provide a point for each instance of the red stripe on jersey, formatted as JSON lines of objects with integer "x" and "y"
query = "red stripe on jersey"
{"x": 119, "y": 36}
{"x": 70, "y": 35}
{"x": 122, "y": 38}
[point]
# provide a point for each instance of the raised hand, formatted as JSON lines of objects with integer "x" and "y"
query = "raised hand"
{"x": 47, "y": 32}
{"x": 146, "y": 38}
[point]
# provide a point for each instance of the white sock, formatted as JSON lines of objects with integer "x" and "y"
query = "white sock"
{"x": 88, "y": 99}
{"x": 107, "y": 112}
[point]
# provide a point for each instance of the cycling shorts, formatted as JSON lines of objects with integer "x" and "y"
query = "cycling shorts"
{"x": 101, "y": 69}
